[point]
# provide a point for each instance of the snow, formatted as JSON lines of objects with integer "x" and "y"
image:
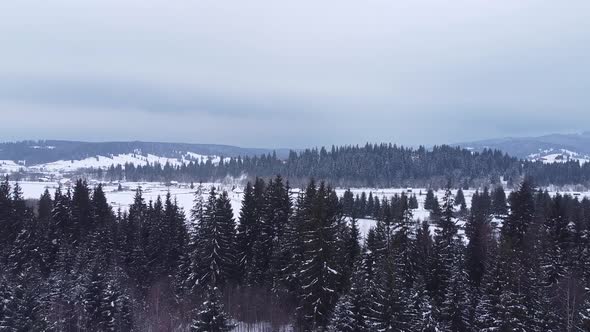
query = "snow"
{"x": 47, "y": 147}
{"x": 104, "y": 162}
{"x": 9, "y": 166}
{"x": 195, "y": 157}
{"x": 261, "y": 327}
{"x": 551, "y": 156}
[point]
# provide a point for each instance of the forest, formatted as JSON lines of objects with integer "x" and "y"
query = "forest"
{"x": 71, "y": 263}
{"x": 372, "y": 165}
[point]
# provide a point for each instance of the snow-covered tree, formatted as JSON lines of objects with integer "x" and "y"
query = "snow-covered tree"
{"x": 211, "y": 316}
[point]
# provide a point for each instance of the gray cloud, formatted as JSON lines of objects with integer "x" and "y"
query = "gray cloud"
{"x": 268, "y": 73}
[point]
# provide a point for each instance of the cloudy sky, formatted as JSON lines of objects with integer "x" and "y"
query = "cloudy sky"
{"x": 272, "y": 73}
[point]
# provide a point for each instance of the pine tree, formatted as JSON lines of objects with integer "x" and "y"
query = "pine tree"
{"x": 429, "y": 201}
{"x": 413, "y": 202}
{"x": 499, "y": 206}
{"x": 99, "y": 310}
{"x": 6, "y": 236}
{"x": 362, "y": 205}
{"x": 82, "y": 221}
{"x": 488, "y": 312}
{"x": 584, "y": 314}
{"x": 197, "y": 210}
{"x": 215, "y": 247}
{"x": 247, "y": 232}
{"x": 521, "y": 216}
{"x": 353, "y": 248}
{"x": 445, "y": 250}
{"x": 426, "y": 317}
{"x": 348, "y": 204}
{"x": 370, "y": 205}
{"x": 479, "y": 232}
{"x": 292, "y": 248}
{"x": 389, "y": 308}
{"x": 343, "y": 317}
{"x": 275, "y": 214}
{"x": 62, "y": 216}
{"x": 45, "y": 207}
{"x": 454, "y": 309}
{"x": 178, "y": 237}
{"x": 318, "y": 276}
{"x": 211, "y": 316}
{"x": 460, "y": 201}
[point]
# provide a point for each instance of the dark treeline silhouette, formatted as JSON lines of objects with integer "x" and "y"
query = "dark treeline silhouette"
{"x": 520, "y": 263}
{"x": 383, "y": 165}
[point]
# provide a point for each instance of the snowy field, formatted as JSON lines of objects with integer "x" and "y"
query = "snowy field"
{"x": 184, "y": 195}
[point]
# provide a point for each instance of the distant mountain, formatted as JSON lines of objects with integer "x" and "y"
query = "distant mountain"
{"x": 49, "y": 151}
{"x": 548, "y": 148}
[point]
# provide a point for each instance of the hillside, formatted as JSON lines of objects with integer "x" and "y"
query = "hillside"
{"x": 547, "y": 148}
{"x": 32, "y": 153}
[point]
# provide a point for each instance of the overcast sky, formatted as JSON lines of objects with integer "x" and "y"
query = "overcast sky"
{"x": 272, "y": 73}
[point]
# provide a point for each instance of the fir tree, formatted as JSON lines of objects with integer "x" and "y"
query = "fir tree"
{"x": 343, "y": 317}
{"x": 211, "y": 316}
{"x": 429, "y": 201}
{"x": 413, "y": 202}
{"x": 215, "y": 246}
{"x": 45, "y": 207}
{"x": 247, "y": 232}
{"x": 318, "y": 275}
{"x": 460, "y": 201}
{"x": 499, "y": 206}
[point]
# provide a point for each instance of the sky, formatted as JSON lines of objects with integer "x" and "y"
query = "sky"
{"x": 272, "y": 73}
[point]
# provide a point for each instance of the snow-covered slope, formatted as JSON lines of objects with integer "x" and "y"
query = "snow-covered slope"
{"x": 548, "y": 148}
{"x": 9, "y": 166}
{"x": 549, "y": 156}
{"x": 104, "y": 162}
{"x": 121, "y": 159}
{"x": 43, "y": 152}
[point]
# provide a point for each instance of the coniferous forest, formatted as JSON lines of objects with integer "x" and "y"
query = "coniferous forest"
{"x": 372, "y": 165}
{"x": 71, "y": 263}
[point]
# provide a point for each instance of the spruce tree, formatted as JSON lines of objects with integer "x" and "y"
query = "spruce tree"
{"x": 247, "y": 233}
{"x": 479, "y": 232}
{"x": 413, "y": 202}
{"x": 429, "y": 201}
{"x": 318, "y": 275}
{"x": 460, "y": 201}
{"x": 343, "y": 316}
{"x": 45, "y": 207}
{"x": 454, "y": 310}
{"x": 499, "y": 205}
{"x": 211, "y": 316}
{"x": 82, "y": 215}
{"x": 215, "y": 247}
{"x": 445, "y": 250}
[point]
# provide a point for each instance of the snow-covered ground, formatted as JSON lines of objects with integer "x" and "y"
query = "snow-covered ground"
{"x": 9, "y": 166}
{"x": 138, "y": 159}
{"x": 185, "y": 195}
{"x": 559, "y": 156}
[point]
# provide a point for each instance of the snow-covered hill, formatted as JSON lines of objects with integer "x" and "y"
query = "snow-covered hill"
{"x": 52, "y": 151}
{"x": 104, "y": 162}
{"x": 548, "y": 148}
{"x": 549, "y": 156}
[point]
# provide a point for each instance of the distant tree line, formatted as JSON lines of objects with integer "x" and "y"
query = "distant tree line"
{"x": 382, "y": 165}
{"x": 520, "y": 263}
